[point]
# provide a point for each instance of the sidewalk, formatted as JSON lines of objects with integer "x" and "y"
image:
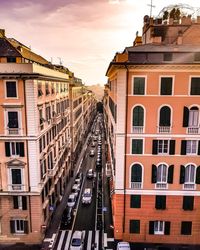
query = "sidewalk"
{"x": 55, "y": 222}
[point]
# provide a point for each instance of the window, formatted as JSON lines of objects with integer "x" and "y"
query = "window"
{"x": 195, "y": 86}
{"x": 166, "y": 86}
{"x": 137, "y": 146}
{"x": 16, "y": 176}
{"x": 159, "y": 227}
{"x": 163, "y": 147}
{"x": 11, "y": 59}
{"x": 139, "y": 86}
{"x": 14, "y": 149}
{"x": 47, "y": 88}
{"x": 190, "y": 174}
{"x": 165, "y": 116}
{"x": 11, "y": 89}
{"x": 186, "y": 227}
{"x": 135, "y": 201}
{"x": 43, "y": 168}
{"x": 197, "y": 56}
{"x": 19, "y": 226}
{"x": 134, "y": 226}
{"x": 191, "y": 147}
{"x": 193, "y": 117}
{"x": 162, "y": 173}
{"x": 13, "y": 119}
{"x": 20, "y": 202}
{"x": 138, "y": 116}
{"x": 40, "y": 93}
{"x": 167, "y": 57}
{"x": 160, "y": 202}
{"x": 188, "y": 202}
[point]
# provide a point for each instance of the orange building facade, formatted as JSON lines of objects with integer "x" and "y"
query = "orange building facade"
{"x": 152, "y": 109}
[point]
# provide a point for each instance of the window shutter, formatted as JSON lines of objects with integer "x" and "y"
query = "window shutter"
{"x": 182, "y": 174}
{"x": 151, "y": 227}
{"x": 183, "y": 147}
{"x": 170, "y": 174}
{"x": 167, "y": 227}
{"x": 155, "y": 147}
{"x": 172, "y": 147}
{"x": 185, "y": 116}
{"x": 160, "y": 202}
{"x": 199, "y": 148}
{"x": 26, "y": 227}
{"x": 12, "y": 226}
{"x": 188, "y": 202}
{"x": 154, "y": 174}
{"x": 15, "y": 202}
{"x": 24, "y": 202}
{"x": 21, "y": 146}
{"x": 7, "y": 148}
{"x": 198, "y": 175}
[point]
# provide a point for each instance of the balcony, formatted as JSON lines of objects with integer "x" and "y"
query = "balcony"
{"x": 164, "y": 129}
{"x": 161, "y": 186}
{"x": 136, "y": 185}
{"x": 13, "y": 131}
{"x": 193, "y": 130}
{"x": 189, "y": 186}
{"x": 16, "y": 187}
{"x": 137, "y": 129}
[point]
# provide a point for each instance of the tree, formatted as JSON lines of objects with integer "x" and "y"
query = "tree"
{"x": 165, "y": 15}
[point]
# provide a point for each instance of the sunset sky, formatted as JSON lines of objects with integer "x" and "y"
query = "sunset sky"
{"x": 82, "y": 34}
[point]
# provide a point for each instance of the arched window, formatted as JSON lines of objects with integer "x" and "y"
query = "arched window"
{"x": 136, "y": 173}
{"x": 138, "y": 116}
{"x": 162, "y": 173}
{"x": 190, "y": 174}
{"x": 193, "y": 117}
{"x": 165, "y": 116}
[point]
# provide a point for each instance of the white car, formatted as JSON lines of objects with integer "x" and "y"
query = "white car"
{"x": 76, "y": 189}
{"x": 123, "y": 246}
{"x": 90, "y": 173}
{"x": 92, "y": 152}
{"x": 87, "y": 196}
{"x": 77, "y": 240}
{"x": 71, "y": 200}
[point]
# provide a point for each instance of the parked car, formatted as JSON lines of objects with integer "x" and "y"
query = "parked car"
{"x": 76, "y": 189}
{"x": 67, "y": 218}
{"x": 92, "y": 152}
{"x": 90, "y": 173}
{"x": 79, "y": 175}
{"x": 123, "y": 246}
{"x": 93, "y": 144}
{"x": 87, "y": 196}
{"x": 77, "y": 240}
{"x": 71, "y": 200}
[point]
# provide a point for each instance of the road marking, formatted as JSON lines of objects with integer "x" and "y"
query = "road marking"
{"x": 68, "y": 240}
{"x": 89, "y": 241}
{"x": 61, "y": 240}
{"x": 105, "y": 242}
{"x": 97, "y": 239}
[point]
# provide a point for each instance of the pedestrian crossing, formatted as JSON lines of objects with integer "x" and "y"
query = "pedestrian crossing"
{"x": 64, "y": 238}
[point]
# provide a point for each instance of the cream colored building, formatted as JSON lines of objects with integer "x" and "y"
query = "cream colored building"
{"x": 34, "y": 141}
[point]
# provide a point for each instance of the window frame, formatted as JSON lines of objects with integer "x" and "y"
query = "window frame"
{"x": 190, "y": 85}
{"x": 189, "y": 176}
{"x": 163, "y": 146}
{"x": 145, "y": 85}
{"x": 159, "y": 225}
{"x": 5, "y": 88}
{"x": 191, "y": 147}
{"x": 172, "y": 87}
{"x": 136, "y": 139}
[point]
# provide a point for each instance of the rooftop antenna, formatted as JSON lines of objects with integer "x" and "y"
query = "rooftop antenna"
{"x": 60, "y": 60}
{"x": 151, "y": 6}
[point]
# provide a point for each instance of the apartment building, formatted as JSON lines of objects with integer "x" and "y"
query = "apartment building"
{"x": 35, "y": 141}
{"x": 152, "y": 108}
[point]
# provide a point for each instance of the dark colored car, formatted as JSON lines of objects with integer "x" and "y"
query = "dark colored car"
{"x": 67, "y": 218}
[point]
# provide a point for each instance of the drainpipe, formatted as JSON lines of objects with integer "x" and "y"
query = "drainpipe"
{"x": 126, "y": 116}
{"x": 28, "y": 173}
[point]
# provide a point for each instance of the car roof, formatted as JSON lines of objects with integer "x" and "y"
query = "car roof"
{"x": 87, "y": 190}
{"x": 75, "y": 186}
{"x": 123, "y": 244}
{"x": 72, "y": 196}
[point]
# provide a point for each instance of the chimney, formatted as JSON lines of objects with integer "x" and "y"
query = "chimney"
{"x": 2, "y": 33}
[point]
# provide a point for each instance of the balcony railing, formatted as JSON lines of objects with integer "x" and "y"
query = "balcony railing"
{"x": 189, "y": 186}
{"x": 13, "y": 131}
{"x": 164, "y": 129}
{"x": 136, "y": 185}
{"x": 137, "y": 129}
{"x": 193, "y": 130}
{"x": 16, "y": 187}
{"x": 161, "y": 186}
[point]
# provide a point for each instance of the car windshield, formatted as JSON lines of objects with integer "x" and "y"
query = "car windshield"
{"x": 76, "y": 242}
{"x": 87, "y": 195}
